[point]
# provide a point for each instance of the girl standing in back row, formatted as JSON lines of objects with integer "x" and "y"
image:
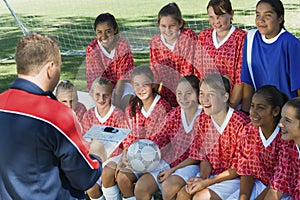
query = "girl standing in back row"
{"x": 219, "y": 48}
{"x": 271, "y": 54}
{"x": 171, "y": 51}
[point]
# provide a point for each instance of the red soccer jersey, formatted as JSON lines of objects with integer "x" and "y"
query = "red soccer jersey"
{"x": 115, "y": 118}
{"x": 217, "y": 144}
{"x": 168, "y": 66}
{"x": 257, "y": 156}
{"x": 225, "y": 59}
{"x": 80, "y": 110}
{"x": 176, "y": 136}
{"x": 99, "y": 65}
{"x": 287, "y": 172}
{"x": 144, "y": 124}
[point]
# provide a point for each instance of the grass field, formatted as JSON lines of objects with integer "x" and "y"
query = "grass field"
{"x": 135, "y": 17}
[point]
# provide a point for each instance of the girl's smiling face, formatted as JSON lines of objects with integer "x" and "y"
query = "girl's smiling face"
{"x": 102, "y": 95}
{"x": 212, "y": 100}
{"x": 186, "y": 96}
{"x": 289, "y": 124}
{"x": 267, "y": 20}
{"x": 221, "y": 23}
{"x": 261, "y": 112}
{"x": 105, "y": 34}
{"x": 169, "y": 28}
{"x": 143, "y": 86}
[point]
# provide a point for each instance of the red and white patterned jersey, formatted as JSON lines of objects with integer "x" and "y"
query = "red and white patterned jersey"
{"x": 99, "y": 65}
{"x": 115, "y": 118}
{"x": 80, "y": 110}
{"x": 169, "y": 66}
{"x": 225, "y": 59}
{"x": 217, "y": 144}
{"x": 257, "y": 156}
{"x": 287, "y": 172}
{"x": 176, "y": 136}
{"x": 144, "y": 124}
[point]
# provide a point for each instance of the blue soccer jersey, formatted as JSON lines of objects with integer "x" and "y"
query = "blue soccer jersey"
{"x": 273, "y": 62}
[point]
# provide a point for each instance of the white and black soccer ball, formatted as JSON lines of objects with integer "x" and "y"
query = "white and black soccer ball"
{"x": 143, "y": 155}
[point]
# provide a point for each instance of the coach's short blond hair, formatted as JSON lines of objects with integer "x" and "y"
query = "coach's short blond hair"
{"x": 35, "y": 50}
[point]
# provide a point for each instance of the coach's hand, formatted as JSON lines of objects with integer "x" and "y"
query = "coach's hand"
{"x": 97, "y": 148}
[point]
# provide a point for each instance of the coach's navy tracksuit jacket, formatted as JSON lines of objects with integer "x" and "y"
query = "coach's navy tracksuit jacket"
{"x": 42, "y": 153}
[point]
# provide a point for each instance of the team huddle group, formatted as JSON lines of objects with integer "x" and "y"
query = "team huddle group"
{"x": 194, "y": 102}
{"x": 222, "y": 107}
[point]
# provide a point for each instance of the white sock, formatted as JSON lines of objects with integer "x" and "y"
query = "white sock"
{"x": 100, "y": 198}
{"x": 111, "y": 193}
{"x": 129, "y": 198}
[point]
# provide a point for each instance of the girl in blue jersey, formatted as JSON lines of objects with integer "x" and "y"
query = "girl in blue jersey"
{"x": 271, "y": 54}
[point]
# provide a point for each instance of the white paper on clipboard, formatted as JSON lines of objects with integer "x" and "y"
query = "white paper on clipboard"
{"x": 110, "y": 140}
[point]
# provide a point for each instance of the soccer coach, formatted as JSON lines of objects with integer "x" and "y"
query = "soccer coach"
{"x": 42, "y": 152}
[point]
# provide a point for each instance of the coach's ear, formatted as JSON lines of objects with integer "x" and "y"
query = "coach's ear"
{"x": 53, "y": 75}
{"x": 51, "y": 69}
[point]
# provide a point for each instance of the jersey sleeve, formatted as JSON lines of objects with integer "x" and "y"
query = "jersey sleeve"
{"x": 293, "y": 52}
{"x": 245, "y": 73}
{"x": 94, "y": 65}
{"x": 284, "y": 176}
{"x": 125, "y": 61}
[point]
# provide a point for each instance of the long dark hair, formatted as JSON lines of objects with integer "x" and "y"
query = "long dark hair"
{"x": 274, "y": 97}
{"x": 277, "y": 7}
{"x": 108, "y": 18}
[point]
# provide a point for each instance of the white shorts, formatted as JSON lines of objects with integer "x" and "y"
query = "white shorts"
{"x": 225, "y": 188}
{"x": 258, "y": 187}
{"x": 163, "y": 165}
{"x": 185, "y": 173}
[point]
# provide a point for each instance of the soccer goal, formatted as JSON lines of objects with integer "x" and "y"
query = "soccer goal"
{"x": 71, "y": 22}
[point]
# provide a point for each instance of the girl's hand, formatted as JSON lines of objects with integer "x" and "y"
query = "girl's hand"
{"x": 163, "y": 175}
{"x": 195, "y": 184}
{"x": 124, "y": 159}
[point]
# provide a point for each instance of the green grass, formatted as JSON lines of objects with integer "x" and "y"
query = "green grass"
{"x": 135, "y": 17}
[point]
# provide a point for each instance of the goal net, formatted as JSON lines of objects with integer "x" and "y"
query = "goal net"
{"x": 71, "y": 22}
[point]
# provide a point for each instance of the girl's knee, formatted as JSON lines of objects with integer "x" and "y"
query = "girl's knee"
{"x": 123, "y": 178}
{"x": 108, "y": 176}
{"x": 182, "y": 194}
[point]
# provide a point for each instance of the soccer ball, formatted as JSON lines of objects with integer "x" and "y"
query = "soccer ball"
{"x": 143, "y": 155}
